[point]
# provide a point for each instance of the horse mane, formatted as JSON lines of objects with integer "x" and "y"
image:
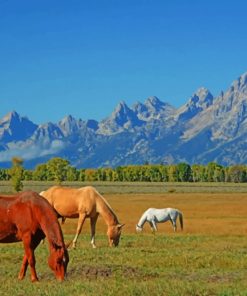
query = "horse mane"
{"x": 104, "y": 201}
{"x": 52, "y": 230}
{"x": 48, "y": 221}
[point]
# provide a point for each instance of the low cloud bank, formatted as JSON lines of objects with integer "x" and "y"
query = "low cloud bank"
{"x": 28, "y": 151}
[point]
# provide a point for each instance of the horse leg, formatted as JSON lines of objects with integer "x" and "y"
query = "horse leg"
{"x": 154, "y": 227}
{"x": 33, "y": 244}
{"x": 151, "y": 225}
{"x": 82, "y": 217}
{"x": 93, "y": 221}
{"x": 28, "y": 258}
{"x": 23, "y": 270}
{"x": 174, "y": 224}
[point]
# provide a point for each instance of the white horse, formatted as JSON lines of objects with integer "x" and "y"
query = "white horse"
{"x": 153, "y": 216}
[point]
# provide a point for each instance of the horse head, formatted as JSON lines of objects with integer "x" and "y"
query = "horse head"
{"x": 138, "y": 228}
{"x": 114, "y": 233}
{"x": 58, "y": 261}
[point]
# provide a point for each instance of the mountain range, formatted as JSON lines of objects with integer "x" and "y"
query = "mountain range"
{"x": 205, "y": 129}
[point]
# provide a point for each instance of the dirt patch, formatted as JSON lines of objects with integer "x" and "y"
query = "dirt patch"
{"x": 95, "y": 272}
{"x": 223, "y": 278}
{"x": 130, "y": 272}
{"x": 91, "y": 272}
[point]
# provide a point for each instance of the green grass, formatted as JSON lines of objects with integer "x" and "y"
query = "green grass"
{"x": 143, "y": 264}
{"x": 209, "y": 258}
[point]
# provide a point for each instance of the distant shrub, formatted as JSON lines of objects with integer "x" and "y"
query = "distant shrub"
{"x": 171, "y": 190}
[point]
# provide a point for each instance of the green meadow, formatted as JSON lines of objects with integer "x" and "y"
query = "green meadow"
{"x": 142, "y": 265}
{"x": 208, "y": 258}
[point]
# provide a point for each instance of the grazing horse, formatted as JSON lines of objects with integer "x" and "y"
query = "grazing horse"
{"x": 28, "y": 217}
{"x": 153, "y": 216}
{"x": 84, "y": 203}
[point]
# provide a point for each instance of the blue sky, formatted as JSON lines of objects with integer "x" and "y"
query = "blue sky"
{"x": 82, "y": 57}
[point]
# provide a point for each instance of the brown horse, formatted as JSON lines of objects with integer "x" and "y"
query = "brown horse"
{"x": 28, "y": 217}
{"x": 84, "y": 203}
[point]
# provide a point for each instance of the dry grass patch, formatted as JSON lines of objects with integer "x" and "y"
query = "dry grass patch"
{"x": 204, "y": 213}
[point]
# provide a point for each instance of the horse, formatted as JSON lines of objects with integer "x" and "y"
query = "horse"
{"x": 82, "y": 203}
{"x": 29, "y": 218}
{"x": 153, "y": 216}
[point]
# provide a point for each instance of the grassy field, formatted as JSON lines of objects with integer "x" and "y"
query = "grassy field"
{"x": 137, "y": 187}
{"x": 208, "y": 258}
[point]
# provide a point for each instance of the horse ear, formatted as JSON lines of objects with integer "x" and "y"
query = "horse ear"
{"x": 120, "y": 226}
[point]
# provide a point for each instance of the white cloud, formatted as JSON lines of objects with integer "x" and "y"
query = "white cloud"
{"x": 30, "y": 150}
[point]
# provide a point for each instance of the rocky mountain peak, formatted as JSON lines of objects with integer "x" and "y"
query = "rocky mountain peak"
{"x": 10, "y": 117}
{"x": 201, "y": 99}
{"x": 48, "y": 132}
{"x": 154, "y": 102}
{"x": 204, "y": 129}
{"x": 233, "y": 101}
{"x": 15, "y": 127}
{"x": 121, "y": 118}
{"x": 153, "y": 108}
{"x": 67, "y": 121}
{"x": 121, "y": 109}
{"x": 121, "y": 113}
{"x": 70, "y": 125}
{"x": 198, "y": 102}
{"x": 205, "y": 98}
{"x": 240, "y": 84}
{"x": 68, "y": 118}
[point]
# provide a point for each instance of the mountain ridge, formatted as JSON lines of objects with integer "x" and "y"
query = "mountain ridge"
{"x": 204, "y": 129}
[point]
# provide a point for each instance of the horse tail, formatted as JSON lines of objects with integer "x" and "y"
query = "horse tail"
{"x": 181, "y": 220}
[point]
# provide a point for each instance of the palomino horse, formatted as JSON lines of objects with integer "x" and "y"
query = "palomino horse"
{"x": 84, "y": 203}
{"x": 28, "y": 217}
{"x": 153, "y": 216}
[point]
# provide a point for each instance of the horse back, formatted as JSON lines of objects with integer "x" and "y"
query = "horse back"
{"x": 17, "y": 216}
{"x": 68, "y": 202}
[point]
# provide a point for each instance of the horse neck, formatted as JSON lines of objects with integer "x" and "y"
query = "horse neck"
{"x": 105, "y": 210}
{"x": 51, "y": 229}
{"x": 142, "y": 220}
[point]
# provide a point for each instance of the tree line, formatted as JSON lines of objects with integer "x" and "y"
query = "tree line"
{"x": 59, "y": 170}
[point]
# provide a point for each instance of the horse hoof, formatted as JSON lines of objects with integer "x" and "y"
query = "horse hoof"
{"x": 71, "y": 248}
